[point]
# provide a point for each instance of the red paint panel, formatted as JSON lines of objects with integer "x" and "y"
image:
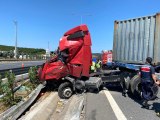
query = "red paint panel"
{"x": 76, "y": 29}
{"x": 78, "y": 60}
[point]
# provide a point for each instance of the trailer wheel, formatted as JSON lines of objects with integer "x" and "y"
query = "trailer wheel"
{"x": 65, "y": 90}
{"x": 136, "y": 86}
{"x": 155, "y": 91}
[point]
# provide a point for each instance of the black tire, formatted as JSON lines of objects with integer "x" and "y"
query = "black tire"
{"x": 136, "y": 86}
{"x": 103, "y": 66}
{"x": 80, "y": 85}
{"x": 65, "y": 90}
{"x": 155, "y": 91}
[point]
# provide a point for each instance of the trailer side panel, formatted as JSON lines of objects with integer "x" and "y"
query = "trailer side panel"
{"x": 138, "y": 38}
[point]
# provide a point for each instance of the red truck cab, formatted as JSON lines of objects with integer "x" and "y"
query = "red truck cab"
{"x": 71, "y": 64}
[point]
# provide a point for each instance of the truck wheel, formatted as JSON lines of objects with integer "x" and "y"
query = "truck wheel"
{"x": 136, "y": 86}
{"x": 65, "y": 90}
{"x": 155, "y": 92}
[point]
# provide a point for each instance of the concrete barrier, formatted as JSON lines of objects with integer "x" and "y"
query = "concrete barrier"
{"x": 75, "y": 108}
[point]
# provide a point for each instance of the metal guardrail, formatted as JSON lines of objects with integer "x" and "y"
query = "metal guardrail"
{"x": 16, "y": 71}
{"x": 15, "y": 111}
{"x": 19, "y": 60}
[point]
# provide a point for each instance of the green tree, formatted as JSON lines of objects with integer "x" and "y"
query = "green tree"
{"x": 1, "y": 92}
{"x": 24, "y": 50}
{"x": 5, "y": 54}
{"x": 33, "y": 75}
{"x": 1, "y": 54}
{"x": 7, "y": 88}
{"x": 11, "y": 54}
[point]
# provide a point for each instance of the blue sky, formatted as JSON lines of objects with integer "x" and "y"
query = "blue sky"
{"x": 40, "y": 21}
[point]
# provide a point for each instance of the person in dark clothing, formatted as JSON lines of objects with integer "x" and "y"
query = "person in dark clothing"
{"x": 148, "y": 80}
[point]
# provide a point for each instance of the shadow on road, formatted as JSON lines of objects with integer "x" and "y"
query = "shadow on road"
{"x": 135, "y": 98}
{"x": 156, "y": 107}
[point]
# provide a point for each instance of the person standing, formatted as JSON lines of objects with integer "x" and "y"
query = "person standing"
{"x": 98, "y": 65}
{"x": 148, "y": 80}
{"x": 93, "y": 67}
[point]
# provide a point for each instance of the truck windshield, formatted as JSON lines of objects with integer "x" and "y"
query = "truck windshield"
{"x": 63, "y": 55}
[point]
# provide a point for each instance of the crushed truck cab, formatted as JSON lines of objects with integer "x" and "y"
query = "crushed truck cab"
{"x": 69, "y": 69}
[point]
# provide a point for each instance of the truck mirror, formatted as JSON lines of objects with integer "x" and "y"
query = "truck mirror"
{"x": 76, "y": 35}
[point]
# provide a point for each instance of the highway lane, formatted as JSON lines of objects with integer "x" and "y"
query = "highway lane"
{"x": 10, "y": 65}
{"x": 131, "y": 107}
{"x": 98, "y": 107}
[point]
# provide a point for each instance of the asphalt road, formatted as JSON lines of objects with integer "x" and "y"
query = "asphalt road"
{"x": 98, "y": 107}
{"x": 10, "y": 65}
{"x": 101, "y": 106}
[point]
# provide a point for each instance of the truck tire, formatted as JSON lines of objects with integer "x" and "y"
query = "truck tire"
{"x": 65, "y": 90}
{"x": 80, "y": 86}
{"x": 155, "y": 91}
{"x": 135, "y": 85}
{"x": 136, "y": 88}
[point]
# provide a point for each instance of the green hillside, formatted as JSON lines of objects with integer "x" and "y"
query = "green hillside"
{"x": 23, "y": 50}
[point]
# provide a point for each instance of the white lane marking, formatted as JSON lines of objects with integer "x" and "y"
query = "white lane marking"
{"x": 117, "y": 111}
